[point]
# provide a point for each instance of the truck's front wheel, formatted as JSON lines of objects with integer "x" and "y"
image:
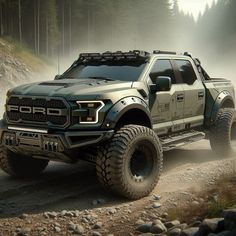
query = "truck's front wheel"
{"x": 20, "y": 166}
{"x": 131, "y": 163}
{"x": 223, "y": 133}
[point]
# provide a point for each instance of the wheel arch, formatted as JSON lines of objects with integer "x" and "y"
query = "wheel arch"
{"x": 224, "y": 100}
{"x": 130, "y": 110}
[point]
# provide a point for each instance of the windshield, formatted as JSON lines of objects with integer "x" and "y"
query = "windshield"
{"x": 124, "y": 71}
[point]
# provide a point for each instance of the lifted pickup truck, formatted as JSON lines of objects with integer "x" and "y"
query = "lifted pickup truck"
{"x": 119, "y": 110}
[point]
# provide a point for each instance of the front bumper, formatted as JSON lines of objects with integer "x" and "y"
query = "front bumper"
{"x": 43, "y": 142}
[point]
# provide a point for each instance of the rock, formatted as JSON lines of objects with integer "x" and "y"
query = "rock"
{"x": 40, "y": 229}
{"x": 84, "y": 220}
{"x": 57, "y": 229}
{"x": 50, "y": 214}
{"x": 43, "y": 234}
{"x": 230, "y": 219}
{"x": 209, "y": 226}
{"x": 174, "y": 232}
{"x": 189, "y": 231}
{"x": 22, "y": 232}
{"x": 196, "y": 224}
{"x": 69, "y": 214}
{"x": 139, "y": 222}
{"x": 171, "y": 224}
{"x": 71, "y": 226}
{"x": 98, "y": 225}
{"x": 23, "y": 216}
{"x": 195, "y": 203}
{"x": 63, "y": 213}
{"x": 156, "y": 197}
{"x": 158, "y": 227}
{"x": 79, "y": 229}
{"x": 57, "y": 224}
{"x": 145, "y": 228}
{"x": 183, "y": 226}
{"x": 93, "y": 215}
{"x": 95, "y": 233}
{"x": 111, "y": 211}
{"x": 164, "y": 215}
{"x": 156, "y": 205}
{"x": 76, "y": 213}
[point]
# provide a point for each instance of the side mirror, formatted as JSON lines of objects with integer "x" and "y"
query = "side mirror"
{"x": 57, "y": 77}
{"x": 163, "y": 83}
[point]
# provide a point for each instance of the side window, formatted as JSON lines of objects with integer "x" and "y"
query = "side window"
{"x": 162, "y": 68}
{"x": 186, "y": 70}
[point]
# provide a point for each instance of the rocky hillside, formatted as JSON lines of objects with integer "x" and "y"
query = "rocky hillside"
{"x": 17, "y": 66}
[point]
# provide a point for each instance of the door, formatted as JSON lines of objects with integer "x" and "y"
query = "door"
{"x": 166, "y": 106}
{"x": 194, "y": 93}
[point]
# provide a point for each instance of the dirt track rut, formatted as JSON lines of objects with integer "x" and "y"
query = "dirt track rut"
{"x": 75, "y": 187}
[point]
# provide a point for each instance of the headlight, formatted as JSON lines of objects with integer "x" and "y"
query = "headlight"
{"x": 91, "y": 111}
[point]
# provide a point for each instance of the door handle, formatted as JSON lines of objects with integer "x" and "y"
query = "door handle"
{"x": 200, "y": 94}
{"x": 180, "y": 97}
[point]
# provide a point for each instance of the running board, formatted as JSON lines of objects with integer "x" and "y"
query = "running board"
{"x": 177, "y": 140}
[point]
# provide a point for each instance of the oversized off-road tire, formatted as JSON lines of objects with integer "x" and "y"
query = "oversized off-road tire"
{"x": 20, "y": 166}
{"x": 223, "y": 133}
{"x": 130, "y": 164}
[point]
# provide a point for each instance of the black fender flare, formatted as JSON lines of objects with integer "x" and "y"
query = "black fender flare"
{"x": 223, "y": 97}
{"x": 121, "y": 107}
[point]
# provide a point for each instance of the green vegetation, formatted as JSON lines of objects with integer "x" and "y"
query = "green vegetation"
{"x": 218, "y": 198}
{"x": 226, "y": 193}
{"x": 8, "y": 46}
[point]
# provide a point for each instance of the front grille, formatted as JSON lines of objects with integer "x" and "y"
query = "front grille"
{"x": 37, "y": 118}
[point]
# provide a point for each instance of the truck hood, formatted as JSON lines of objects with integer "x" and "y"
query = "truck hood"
{"x": 70, "y": 88}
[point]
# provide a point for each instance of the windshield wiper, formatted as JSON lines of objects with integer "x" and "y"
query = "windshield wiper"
{"x": 100, "y": 77}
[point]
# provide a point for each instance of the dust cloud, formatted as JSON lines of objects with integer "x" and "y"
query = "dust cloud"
{"x": 147, "y": 32}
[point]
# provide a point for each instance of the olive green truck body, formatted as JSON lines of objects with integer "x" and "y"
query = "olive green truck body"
{"x": 69, "y": 117}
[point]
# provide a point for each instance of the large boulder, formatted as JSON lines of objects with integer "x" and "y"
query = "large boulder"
{"x": 230, "y": 219}
{"x": 210, "y": 226}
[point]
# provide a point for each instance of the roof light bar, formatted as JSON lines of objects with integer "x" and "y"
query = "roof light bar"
{"x": 114, "y": 55}
{"x": 164, "y": 52}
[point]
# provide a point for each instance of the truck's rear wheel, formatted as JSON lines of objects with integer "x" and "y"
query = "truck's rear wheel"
{"x": 131, "y": 163}
{"x": 20, "y": 166}
{"x": 223, "y": 133}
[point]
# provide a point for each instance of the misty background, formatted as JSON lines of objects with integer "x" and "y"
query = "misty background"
{"x": 53, "y": 29}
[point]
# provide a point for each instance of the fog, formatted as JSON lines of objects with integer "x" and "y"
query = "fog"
{"x": 127, "y": 26}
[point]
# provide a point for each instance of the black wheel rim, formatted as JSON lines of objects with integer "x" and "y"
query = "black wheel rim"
{"x": 142, "y": 161}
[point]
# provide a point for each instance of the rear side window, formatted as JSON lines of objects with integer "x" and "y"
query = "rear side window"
{"x": 186, "y": 71}
{"x": 162, "y": 68}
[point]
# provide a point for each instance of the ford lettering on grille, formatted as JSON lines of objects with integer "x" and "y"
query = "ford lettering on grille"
{"x": 37, "y": 110}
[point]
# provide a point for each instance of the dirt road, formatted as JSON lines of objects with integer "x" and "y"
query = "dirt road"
{"x": 76, "y": 187}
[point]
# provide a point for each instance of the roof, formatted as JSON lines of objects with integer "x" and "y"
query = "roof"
{"x": 131, "y": 55}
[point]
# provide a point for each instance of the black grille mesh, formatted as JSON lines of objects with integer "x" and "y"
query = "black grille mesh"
{"x": 39, "y": 118}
